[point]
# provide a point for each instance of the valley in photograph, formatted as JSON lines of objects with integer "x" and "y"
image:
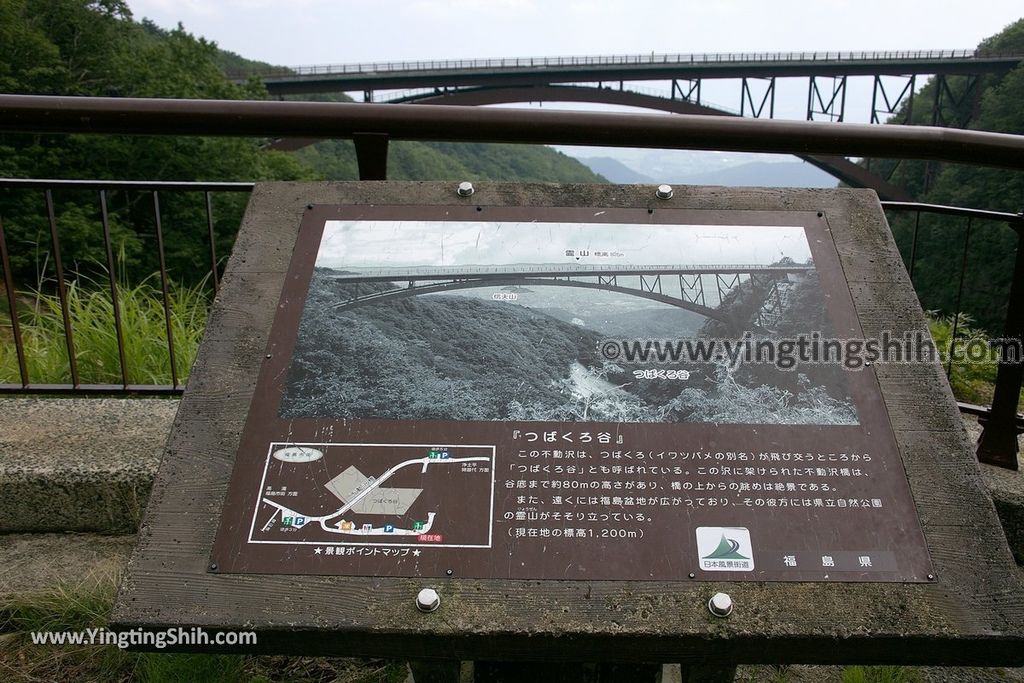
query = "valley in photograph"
{"x": 506, "y": 321}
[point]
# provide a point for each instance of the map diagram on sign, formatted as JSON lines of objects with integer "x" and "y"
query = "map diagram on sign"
{"x": 376, "y": 494}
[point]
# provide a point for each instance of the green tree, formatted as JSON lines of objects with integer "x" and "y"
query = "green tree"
{"x": 95, "y": 47}
{"x": 991, "y": 103}
{"x": 82, "y": 47}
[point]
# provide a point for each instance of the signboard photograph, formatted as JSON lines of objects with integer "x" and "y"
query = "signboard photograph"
{"x": 574, "y": 395}
{"x": 534, "y": 322}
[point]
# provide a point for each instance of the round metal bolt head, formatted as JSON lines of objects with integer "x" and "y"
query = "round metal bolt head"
{"x": 466, "y": 188}
{"x": 427, "y": 600}
{"x": 664, "y": 192}
{"x": 720, "y": 604}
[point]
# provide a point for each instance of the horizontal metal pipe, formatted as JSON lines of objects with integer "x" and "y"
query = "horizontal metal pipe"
{"x": 95, "y": 389}
{"x": 147, "y": 185}
{"x": 985, "y": 411}
{"x": 49, "y": 114}
{"x": 955, "y": 211}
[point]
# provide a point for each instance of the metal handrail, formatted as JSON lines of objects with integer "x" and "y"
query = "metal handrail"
{"x": 146, "y": 185}
{"x": 54, "y": 114}
{"x": 962, "y": 211}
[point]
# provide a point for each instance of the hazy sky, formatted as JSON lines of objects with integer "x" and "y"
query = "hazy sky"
{"x": 366, "y": 244}
{"x": 336, "y": 31}
{"x": 306, "y": 32}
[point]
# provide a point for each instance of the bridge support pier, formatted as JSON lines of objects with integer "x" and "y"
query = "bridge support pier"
{"x": 818, "y": 104}
{"x": 891, "y": 107}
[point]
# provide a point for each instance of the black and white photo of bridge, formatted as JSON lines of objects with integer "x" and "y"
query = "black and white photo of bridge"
{"x": 492, "y": 321}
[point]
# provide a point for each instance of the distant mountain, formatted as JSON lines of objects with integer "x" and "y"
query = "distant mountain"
{"x": 614, "y": 170}
{"x": 699, "y": 167}
{"x": 766, "y": 174}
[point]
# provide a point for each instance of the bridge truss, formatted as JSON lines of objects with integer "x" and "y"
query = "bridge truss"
{"x": 757, "y": 296}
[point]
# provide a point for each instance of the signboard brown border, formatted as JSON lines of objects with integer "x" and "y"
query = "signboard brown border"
{"x": 971, "y": 613}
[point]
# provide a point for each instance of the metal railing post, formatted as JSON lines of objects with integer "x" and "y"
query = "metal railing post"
{"x": 12, "y": 304}
{"x": 998, "y": 442}
{"x": 371, "y": 155}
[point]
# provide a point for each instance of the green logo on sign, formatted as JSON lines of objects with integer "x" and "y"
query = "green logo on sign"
{"x": 727, "y": 549}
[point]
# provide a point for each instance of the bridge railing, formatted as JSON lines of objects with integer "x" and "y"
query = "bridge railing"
{"x": 171, "y": 117}
{"x": 605, "y": 60}
{"x": 559, "y": 270}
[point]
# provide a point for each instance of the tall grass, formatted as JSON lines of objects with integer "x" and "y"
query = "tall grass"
{"x": 971, "y": 381}
{"x": 95, "y": 341}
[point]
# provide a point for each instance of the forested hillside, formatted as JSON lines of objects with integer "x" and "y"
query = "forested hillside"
{"x": 95, "y": 47}
{"x": 991, "y": 103}
{"x": 336, "y": 160}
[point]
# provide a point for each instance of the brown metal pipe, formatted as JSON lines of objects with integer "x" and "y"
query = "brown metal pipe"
{"x": 49, "y": 114}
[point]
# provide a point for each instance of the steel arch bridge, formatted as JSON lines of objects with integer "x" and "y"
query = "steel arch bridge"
{"x": 763, "y": 289}
{"x": 585, "y": 79}
{"x": 690, "y": 69}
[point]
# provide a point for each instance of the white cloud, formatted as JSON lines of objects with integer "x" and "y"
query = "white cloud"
{"x": 452, "y": 9}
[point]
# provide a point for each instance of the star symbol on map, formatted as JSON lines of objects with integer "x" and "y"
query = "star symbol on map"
{"x": 317, "y": 550}
{"x": 416, "y": 553}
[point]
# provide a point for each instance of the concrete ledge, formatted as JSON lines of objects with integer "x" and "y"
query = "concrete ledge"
{"x": 79, "y": 464}
{"x": 73, "y": 464}
{"x": 1007, "y": 490}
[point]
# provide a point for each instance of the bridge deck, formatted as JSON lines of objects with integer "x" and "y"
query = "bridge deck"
{"x": 557, "y": 270}
{"x": 544, "y": 70}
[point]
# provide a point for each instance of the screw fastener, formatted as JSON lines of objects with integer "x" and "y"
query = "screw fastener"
{"x": 427, "y": 600}
{"x": 720, "y": 604}
{"x": 466, "y": 188}
{"x": 664, "y": 192}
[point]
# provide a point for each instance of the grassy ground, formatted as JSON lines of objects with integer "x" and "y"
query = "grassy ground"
{"x": 75, "y": 608}
{"x": 828, "y": 674}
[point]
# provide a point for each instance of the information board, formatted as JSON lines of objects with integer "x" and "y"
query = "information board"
{"x": 598, "y": 394}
